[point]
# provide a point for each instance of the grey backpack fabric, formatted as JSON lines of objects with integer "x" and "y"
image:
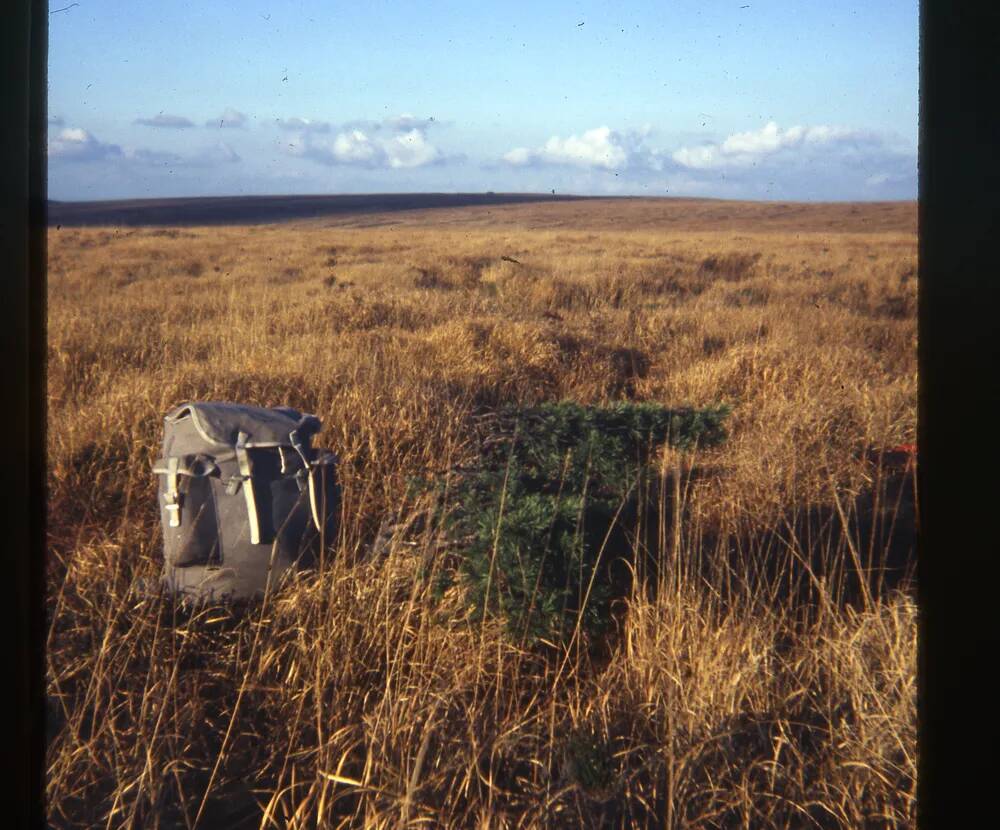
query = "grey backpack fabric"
{"x": 245, "y": 501}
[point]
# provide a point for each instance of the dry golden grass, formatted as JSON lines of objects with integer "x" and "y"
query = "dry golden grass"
{"x": 360, "y": 699}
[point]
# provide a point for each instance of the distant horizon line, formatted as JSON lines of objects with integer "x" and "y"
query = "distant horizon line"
{"x": 479, "y": 193}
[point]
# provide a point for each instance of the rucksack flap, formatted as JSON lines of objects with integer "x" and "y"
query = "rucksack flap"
{"x": 218, "y": 424}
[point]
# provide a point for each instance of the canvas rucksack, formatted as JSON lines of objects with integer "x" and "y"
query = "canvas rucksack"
{"x": 245, "y": 501}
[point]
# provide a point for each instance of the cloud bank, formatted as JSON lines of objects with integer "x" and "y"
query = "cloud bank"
{"x": 76, "y": 144}
{"x": 772, "y": 142}
{"x": 799, "y": 162}
{"x": 599, "y": 148}
{"x": 812, "y": 162}
{"x": 397, "y": 143}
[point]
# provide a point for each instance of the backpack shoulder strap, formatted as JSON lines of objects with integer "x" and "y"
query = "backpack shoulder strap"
{"x": 320, "y": 500}
{"x": 246, "y": 476}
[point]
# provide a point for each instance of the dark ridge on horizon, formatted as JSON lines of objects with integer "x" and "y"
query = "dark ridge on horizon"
{"x": 249, "y": 210}
{"x": 659, "y": 211}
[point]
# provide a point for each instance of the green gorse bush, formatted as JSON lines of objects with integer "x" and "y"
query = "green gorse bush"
{"x": 538, "y": 505}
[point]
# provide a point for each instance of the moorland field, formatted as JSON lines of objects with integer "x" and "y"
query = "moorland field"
{"x": 766, "y": 679}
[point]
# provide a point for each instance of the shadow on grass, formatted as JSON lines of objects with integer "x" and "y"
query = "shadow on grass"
{"x": 850, "y": 553}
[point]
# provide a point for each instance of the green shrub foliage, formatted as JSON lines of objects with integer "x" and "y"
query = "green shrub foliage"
{"x": 537, "y": 506}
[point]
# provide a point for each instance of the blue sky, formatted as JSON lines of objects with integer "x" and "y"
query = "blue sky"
{"x": 755, "y": 100}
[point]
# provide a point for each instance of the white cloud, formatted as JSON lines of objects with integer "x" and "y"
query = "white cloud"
{"x": 354, "y": 147}
{"x": 749, "y": 148}
{"x": 411, "y": 149}
{"x": 76, "y": 144}
{"x": 800, "y": 162}
{"x": 806, "y": 162}
{"x": 163, "y": 120}
{"x": 365, "y": 144}
{"x": 231, "y": 118}
{"x": 700, "y": 158}
{"x": 599, "y": 148}
{"x": 519, "y": 156}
